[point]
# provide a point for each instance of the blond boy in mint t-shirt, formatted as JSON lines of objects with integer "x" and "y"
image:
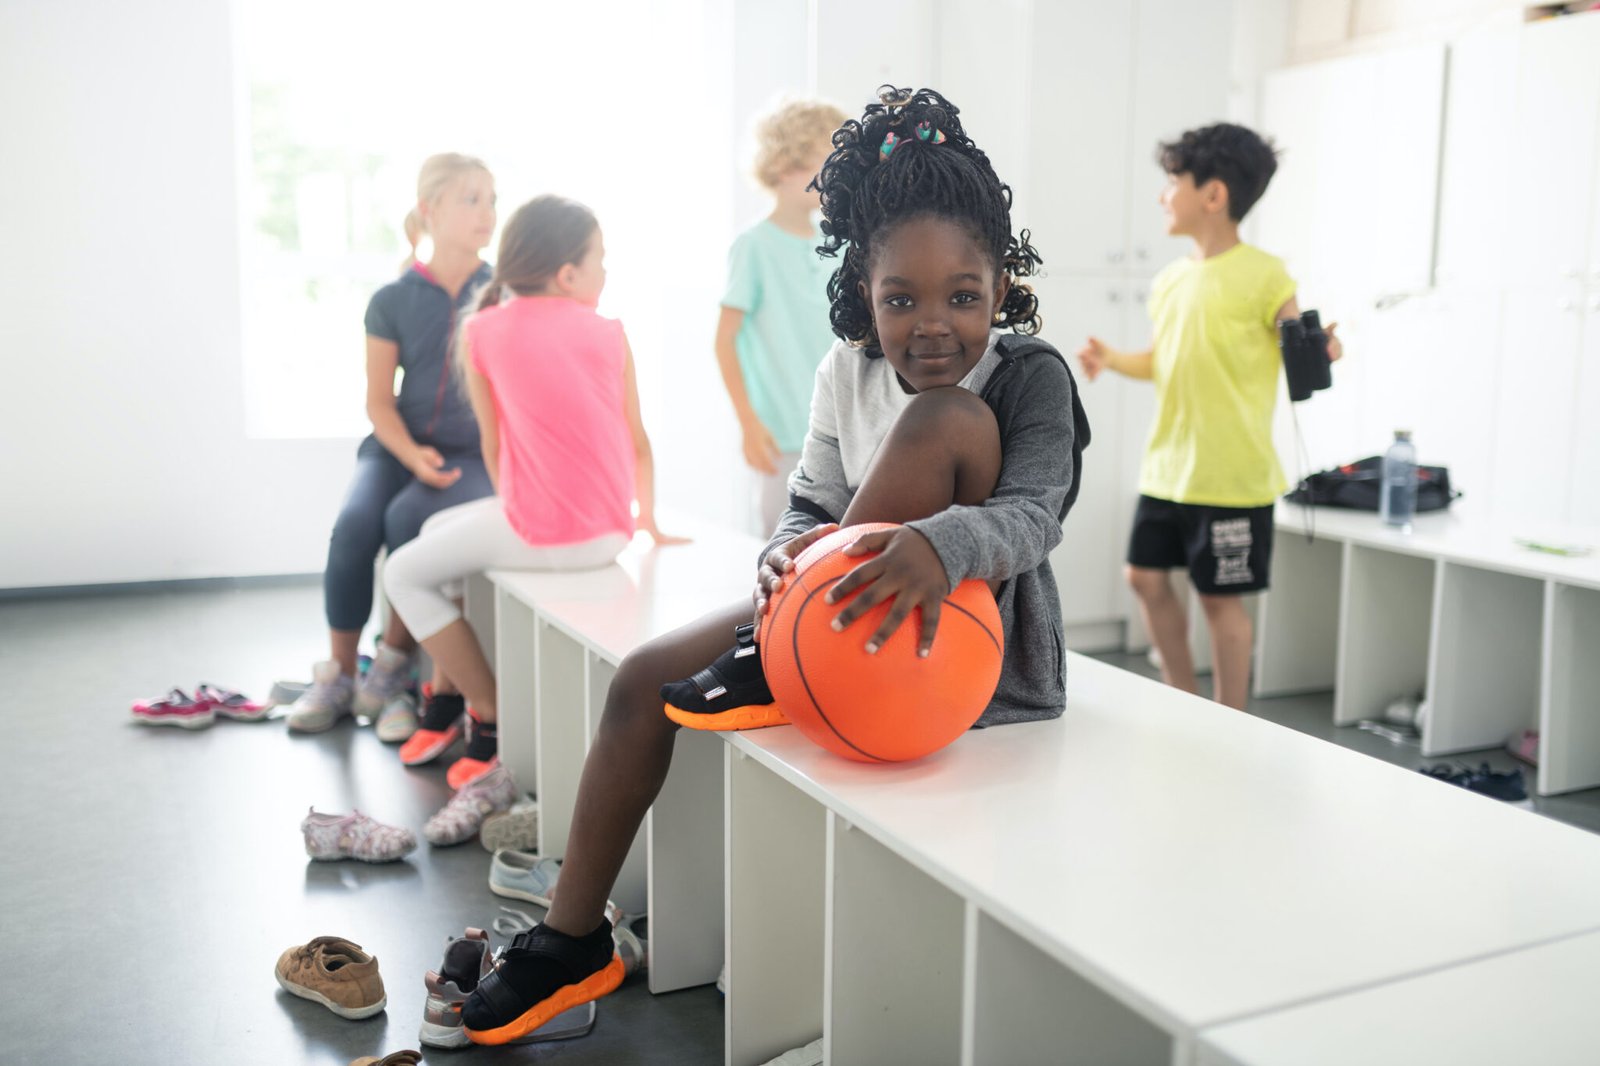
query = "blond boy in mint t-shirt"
{"x": 774, "y": 327}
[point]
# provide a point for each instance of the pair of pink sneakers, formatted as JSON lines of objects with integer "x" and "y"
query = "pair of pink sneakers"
{"x": 198, "y": 711}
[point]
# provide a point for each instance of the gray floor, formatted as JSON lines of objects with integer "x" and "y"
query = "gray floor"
{"x": 152, "y": 876}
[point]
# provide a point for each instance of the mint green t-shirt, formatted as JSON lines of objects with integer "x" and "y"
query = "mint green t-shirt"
{"x": 781, "y": 284}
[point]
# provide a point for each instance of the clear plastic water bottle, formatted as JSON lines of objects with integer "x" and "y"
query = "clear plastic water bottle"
{"x": 1397, "y": 501}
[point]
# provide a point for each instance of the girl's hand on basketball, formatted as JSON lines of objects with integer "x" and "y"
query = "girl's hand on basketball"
{"x": 780, "y": 561}
{"x": 908, "y": 571}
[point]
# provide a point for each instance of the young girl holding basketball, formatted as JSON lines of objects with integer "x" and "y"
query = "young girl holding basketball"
{"x": 931, "y": 412}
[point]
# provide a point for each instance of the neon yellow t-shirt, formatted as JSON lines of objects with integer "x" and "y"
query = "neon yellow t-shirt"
{"x": 1215, "y": 366}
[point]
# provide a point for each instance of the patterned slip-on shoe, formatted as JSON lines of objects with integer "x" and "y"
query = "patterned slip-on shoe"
{"x": 355, "y": 836}
{"x": 463, "y": 816}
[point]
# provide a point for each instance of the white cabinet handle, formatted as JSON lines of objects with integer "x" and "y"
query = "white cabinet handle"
{"x": 1113, "y": 257}
{"x": 1113, "y": 297}
{"x": 1141, "y": 254}
{"x": 1594, "y": 303}
{"x": 1566, "y": 303}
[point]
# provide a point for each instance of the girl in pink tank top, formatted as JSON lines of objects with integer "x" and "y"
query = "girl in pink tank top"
{"x": 552, "y": 384}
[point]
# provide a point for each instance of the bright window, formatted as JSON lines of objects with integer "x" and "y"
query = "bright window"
{"x": 345, "y": 100}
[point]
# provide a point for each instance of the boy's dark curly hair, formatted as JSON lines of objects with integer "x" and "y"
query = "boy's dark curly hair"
{"x": 864, "y": 195}
{"x": 1235, "y": 155}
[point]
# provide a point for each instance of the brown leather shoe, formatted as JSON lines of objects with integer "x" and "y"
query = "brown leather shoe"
{"x": 336, "y": 974}
{"x": 398, "y": 1058}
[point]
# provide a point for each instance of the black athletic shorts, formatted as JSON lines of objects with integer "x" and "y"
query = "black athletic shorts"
{"x": 1226, "y": 550}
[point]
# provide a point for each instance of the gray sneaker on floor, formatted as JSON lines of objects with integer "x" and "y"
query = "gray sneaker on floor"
{"x": 524, "y": 875}
{"x": 467, "y": 960}
{"x": 388, "y": 675}
{"x": 517, "y": 829}
{"x": 327, "y": 700}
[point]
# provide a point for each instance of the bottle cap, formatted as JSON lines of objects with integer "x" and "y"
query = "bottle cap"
{"x": 1402, "y": 434}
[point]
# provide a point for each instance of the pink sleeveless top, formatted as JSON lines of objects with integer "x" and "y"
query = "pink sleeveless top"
{"x": 566, "y": 453}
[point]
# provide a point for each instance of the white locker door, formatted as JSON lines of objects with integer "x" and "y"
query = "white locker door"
{"x": 864, "y": 46}
{"x": 1534, "y": 415}
{"x": 1480, "y": 117}
{"x": 1584, "y": 492}
{"x": 1138, "y": 406}
{"x": 1085, "y": 562}
{"x": 1553, "y": 152}
{"x": 1077, "y": 187}
{"x": 1293, "y": 106}
{"x": 1180, "y": 81}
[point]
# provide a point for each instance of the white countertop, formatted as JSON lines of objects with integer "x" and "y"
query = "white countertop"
{"x": 1459, "y": 534}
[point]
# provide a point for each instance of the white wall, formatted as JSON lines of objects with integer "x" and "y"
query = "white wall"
{"x": 126, "y": 458}
{"x": 1490, "y": 358}
{"x": 123, "y": 326}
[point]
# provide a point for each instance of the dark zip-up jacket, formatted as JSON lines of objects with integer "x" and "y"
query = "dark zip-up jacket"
{"x": 419, "y": 316}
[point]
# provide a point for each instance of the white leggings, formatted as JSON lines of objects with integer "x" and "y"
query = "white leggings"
{"x": 423, "y": 579}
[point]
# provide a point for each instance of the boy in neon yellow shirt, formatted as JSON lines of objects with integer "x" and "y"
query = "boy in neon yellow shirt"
{"x": 1210, "y": 473}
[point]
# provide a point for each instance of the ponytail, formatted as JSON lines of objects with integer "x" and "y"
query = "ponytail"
{"x": 412, "y": 228}
{"x": 489, "y": 295}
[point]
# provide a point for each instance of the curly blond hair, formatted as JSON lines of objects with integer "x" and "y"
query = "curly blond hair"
{"x": 789, "y": 136}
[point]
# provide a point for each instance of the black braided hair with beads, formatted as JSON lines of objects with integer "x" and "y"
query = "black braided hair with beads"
{"x": 865, "y": 195}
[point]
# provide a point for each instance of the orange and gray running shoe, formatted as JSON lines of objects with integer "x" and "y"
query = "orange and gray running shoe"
{"x": 439, "y": 728}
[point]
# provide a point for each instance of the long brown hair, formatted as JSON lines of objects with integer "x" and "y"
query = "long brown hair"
{"x": 541, "y": 237}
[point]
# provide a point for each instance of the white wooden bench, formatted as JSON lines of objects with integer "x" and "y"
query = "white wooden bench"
{"x": 1500, "y": 638}
{"x": 1107, "y": 887}
{"x": 1531, "y": 1006}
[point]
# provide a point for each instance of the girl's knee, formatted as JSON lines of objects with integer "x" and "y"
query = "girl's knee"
{"x": 635, "y": 692}
{"x": 398, "y": 575}
{"x": 950, "y": 414}
{"x": 357, "y": 533}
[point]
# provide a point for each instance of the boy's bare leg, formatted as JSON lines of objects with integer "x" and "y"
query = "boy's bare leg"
{"x": 1231, "y": 639}
{"x": 1165, "y": 621}
{"x": 938, "y": 453}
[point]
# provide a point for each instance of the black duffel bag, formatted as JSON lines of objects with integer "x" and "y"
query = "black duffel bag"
{"x": 1357, "y": 486}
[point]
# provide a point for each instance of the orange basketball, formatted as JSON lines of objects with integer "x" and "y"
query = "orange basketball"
{"x": 887, "y": 707}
